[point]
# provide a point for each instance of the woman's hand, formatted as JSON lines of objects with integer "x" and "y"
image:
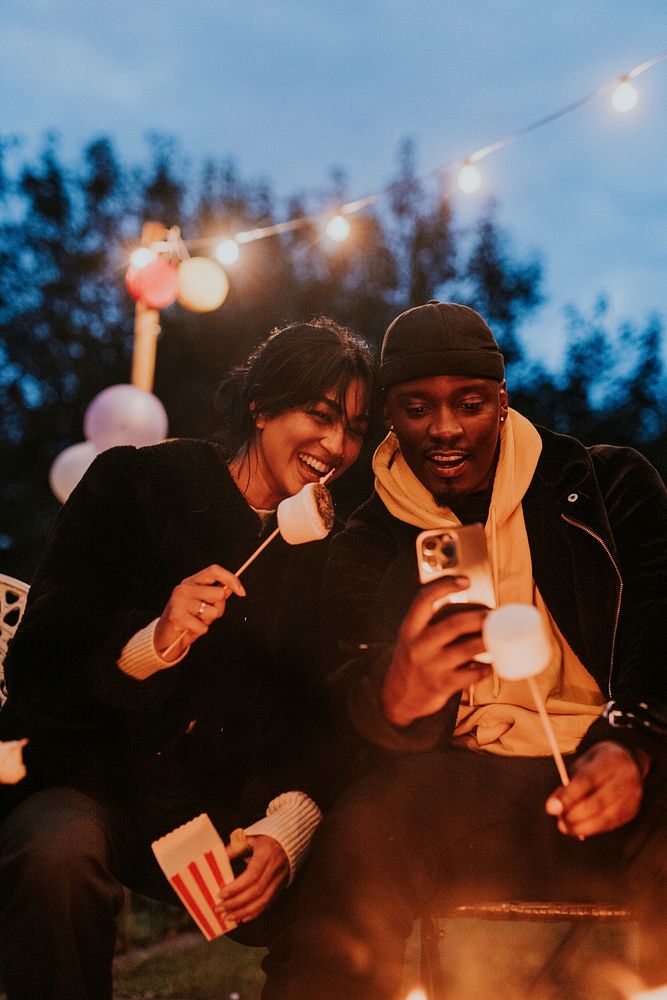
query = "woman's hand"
{"x": 605, "y": 791}
{"x": 267, "y": 870}
{"x": 431, "y": 662}
{"x": 194, "y": 605}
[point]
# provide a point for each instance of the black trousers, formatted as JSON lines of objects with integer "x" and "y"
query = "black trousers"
{"x": 65, "y": 857}
{"x": 456, "y": 824}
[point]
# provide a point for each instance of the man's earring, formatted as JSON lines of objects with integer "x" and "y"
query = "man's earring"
{"x": 503, "y": 418}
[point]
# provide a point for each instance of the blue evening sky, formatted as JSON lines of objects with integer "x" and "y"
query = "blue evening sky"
{"x": 292, "y": 89}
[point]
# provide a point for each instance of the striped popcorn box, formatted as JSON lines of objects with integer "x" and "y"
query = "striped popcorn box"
{"x": 194, "y": 859}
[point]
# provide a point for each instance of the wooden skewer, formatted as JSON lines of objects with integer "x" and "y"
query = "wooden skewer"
{"x": 257, "y": 551}
{"x": 548, "y": 729}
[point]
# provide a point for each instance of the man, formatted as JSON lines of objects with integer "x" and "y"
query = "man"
{"x": 462, "y": 798}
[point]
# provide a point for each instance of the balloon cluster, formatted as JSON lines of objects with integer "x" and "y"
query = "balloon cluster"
{"x": 199, "y": 283}
{"x": 120, "y": 414}
{"x": 127, "y": 414}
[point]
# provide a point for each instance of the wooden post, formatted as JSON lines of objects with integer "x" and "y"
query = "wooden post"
{"x": 146, "y": 322}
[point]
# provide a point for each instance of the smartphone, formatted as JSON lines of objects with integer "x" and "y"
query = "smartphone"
{"x": 457, "y": 551}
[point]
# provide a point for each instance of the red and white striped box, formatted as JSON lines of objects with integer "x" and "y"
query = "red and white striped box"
{"x": 194, "y": 859}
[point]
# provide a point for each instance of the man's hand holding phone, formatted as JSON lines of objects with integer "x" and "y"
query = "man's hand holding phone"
{"x": 442, "y": 632}
{"x": 433, "y": 660}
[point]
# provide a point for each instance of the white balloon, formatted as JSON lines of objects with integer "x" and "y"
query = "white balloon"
{"x": 125, "y": 414}
{"x": 202, "y": 284}
{"x": 69, "y": 466}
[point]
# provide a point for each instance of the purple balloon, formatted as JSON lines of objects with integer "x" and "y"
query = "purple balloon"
{"x": 125, "y": 414}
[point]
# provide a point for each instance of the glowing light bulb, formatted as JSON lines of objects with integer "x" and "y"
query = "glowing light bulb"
{"x": 338, "y": 228}
{"x": 658, "y": 994}
{"x": 227, "y": 251}
{"x": 416, "y": 994}
{"x": 469, "y": 179}
{"x": 625, "y": 95}
{"x": 142, "y": 257}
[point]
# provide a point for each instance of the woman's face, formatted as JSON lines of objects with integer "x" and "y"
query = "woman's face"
{"x": 300, "y": 446}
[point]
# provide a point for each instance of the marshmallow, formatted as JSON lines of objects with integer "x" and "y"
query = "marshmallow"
{"x": 517, "y": 640}
{"x": 306, "y": 516}
{"x": 12, "y": 768}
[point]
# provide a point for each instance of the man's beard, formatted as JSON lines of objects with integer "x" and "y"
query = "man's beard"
{"x": 445, "y": 498}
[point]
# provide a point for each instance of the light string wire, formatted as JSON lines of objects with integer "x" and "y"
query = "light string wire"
{"x": 350, "y": 207}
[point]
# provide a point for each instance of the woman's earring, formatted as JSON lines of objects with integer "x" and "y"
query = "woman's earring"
{"x": 390, "y": 428}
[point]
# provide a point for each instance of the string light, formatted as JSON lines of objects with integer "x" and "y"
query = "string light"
{"x": 469, "y": 178}
{"x": 338, "y": 228}
{"x": 624, "y": 97}
{"x": 142, "y": 256}
{"x": 227, "y": 251}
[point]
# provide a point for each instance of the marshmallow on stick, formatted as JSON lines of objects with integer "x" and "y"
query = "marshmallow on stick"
{"x": 307, "y": 516}
{"x": 520, "y": 648}
{"x": 12, "y": 768}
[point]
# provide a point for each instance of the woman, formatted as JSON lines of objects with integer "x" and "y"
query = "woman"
{"x": 153, "y": 684}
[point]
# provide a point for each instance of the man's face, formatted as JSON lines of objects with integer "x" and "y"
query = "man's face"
{"x": 448, "y": 428}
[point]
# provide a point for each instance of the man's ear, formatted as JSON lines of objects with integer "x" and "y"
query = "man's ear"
{"x": 388, "y": 422}
{"x": 504, "y": 399}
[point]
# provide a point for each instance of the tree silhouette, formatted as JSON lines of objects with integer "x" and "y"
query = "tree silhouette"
{"x": 611, "y": 388}
{"x": 66, "y": 320}
{"x": 62, "y": 330}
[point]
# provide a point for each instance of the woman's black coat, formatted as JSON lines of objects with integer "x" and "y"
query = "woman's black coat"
{"x": 238, "y": 720}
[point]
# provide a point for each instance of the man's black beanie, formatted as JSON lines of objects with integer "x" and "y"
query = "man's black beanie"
{"x": 439, "y": 338}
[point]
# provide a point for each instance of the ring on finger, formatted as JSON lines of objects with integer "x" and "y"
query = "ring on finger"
{"x": 201, "y": 609}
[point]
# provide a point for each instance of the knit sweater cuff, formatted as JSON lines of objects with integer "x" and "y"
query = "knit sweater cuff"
{"x": 291, "y": 819}
{"x": 139, "y": 658}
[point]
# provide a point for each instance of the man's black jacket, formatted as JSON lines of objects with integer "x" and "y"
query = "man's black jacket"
{"x": 596, "y": 520}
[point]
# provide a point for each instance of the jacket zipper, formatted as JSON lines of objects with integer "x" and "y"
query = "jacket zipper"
{"x": 589, "y": 531}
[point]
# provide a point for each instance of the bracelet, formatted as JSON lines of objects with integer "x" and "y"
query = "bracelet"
{"x": 635, "y": 716}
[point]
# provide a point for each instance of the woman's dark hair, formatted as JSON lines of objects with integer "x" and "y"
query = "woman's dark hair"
{"x": 295, "y": 365}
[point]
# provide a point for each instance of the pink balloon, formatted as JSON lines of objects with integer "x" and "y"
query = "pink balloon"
{"x": 125, "y": 414}
{"x": 69, "y": 466}
{"x": 155, "y": 284}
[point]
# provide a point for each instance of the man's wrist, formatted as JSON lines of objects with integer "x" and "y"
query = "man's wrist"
{"x": 641, "y": 757}
{"x": 392, "y": 702}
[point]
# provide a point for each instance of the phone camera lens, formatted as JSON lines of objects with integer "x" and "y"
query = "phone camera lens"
{"x": 449, "y": 551}
{"x": 430, "y": 545}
